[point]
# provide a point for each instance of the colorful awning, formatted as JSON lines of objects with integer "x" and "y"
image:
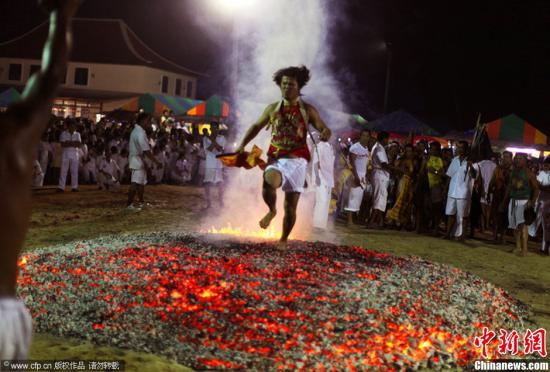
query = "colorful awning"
{"x": 157, "y": 103}
{"x": 514, "y": 129}
{"x": 214, "y": 106}
{"x": 9, "y": 96}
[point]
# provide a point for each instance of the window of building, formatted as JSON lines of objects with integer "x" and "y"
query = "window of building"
{"x": 178, "y": 87}
{"x": 34, "y": 69}
{"x": 164, "y": 86}
{"x": 189, "y": 89}
{"x": 81, "y": 76}
{"x": 64, "y": 77}
{"x": 15, "y": 72}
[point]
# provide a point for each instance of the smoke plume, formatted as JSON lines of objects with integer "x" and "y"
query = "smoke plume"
{"x": 272, "y": 35}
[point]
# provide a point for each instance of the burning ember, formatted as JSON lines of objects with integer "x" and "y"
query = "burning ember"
{"x": 268, "y": 233}
{"x": 235, "y": 305}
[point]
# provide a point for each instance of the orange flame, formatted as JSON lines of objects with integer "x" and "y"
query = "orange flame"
{"x": 268, "y": 234}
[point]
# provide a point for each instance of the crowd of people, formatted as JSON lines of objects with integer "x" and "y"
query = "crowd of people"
{"x": 420, "y": 187}
{"x": 430, "y": 189}
{"x": 98, "y": 153}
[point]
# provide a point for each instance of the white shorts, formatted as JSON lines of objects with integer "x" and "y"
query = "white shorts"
{"x": 515, "y": 212}
{"x": 139, "y": 176}
{"x": 15, "y": 329}
{"x": 380, "y": 197}
{"x": 293, "y": 171}
{"x": 213, "y": 175}
{"x": 354, "y": 199}
{"x": 460, "y": 208}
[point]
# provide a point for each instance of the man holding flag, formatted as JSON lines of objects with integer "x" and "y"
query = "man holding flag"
{"x": 288, "y": 153}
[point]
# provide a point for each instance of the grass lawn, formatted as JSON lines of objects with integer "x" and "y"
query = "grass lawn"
{"x": 61, "y": 218}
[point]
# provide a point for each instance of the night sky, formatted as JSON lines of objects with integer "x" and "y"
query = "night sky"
{"x": 451, "y": 60}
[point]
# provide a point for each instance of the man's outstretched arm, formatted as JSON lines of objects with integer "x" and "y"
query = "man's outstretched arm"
{"x": 42, "y": 86}
{"x": 255, "y": 129}
{"x": 318, "y": 123}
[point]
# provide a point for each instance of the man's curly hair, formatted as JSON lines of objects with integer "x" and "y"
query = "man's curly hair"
{"x": 300, "y": 73}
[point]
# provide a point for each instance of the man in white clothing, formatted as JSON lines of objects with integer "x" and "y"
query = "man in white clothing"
{"x": 22, "y": 124}
{"x": 359, "y": 159}
{"x": 487, "y": 168}
{"x": 461, "y": 173}
{"x": 70, "y": 141}
{"x": 139, "y": 147}
{"x": 44, "y": 151}
{"x": 37, "y": 175}
{"x": 323, "y": 167}
{"x": 89, "y": 167}
{"x": 380, "y": 179}
{"x": 181, "y": 172}
{"x": 213, "y": 172}
{"x": 158, "y": 173}
{"x": 108, "y": 173}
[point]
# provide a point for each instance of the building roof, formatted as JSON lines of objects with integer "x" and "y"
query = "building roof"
{"x": 108, "y": 41}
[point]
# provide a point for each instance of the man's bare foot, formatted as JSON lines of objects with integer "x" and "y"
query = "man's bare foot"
{"x": 264, "y": 222}
{"x": 282, "y": 246}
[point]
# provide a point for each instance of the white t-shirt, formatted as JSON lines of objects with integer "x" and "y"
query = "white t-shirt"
{"x": 379, "y": 157}
{"x": 137, "y": 145}
{"x": 544, "y": 178}
{"x": 68, "y": 137}
{"x": 361, "y": 158}
{"x": 460, "y": 186}
{"x": 211, "y": 161}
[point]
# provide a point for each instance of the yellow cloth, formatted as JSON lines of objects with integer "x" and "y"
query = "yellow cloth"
{"x": 245, "y": 159}
{"x": 436, "y": 163}
{"x": 401, "y": 209}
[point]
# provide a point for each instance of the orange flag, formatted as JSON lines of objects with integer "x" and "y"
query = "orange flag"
{"x": 245, "y": 159}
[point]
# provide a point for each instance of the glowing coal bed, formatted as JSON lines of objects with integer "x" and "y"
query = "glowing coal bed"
{"x": 226, "y": 304}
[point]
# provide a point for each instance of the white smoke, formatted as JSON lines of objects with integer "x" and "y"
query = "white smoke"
{"x": 273, "y": 35}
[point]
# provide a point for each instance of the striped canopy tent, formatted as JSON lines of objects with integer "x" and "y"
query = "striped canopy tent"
{"x": 214, "y": 106}
{"x": 359, "y": 119}
{"x": 9, "y": 96}
{"x": 513, "y": 129}
{"x": 401, "y": 122}
{"x": 157, "y": 103}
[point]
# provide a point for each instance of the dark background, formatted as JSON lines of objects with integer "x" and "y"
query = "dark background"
{"x": 450, "y": 59}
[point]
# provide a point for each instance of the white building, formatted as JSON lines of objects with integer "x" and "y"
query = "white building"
{"x": 108, "y": 62}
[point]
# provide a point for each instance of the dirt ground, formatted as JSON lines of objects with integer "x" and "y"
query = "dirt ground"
{"x": 61, "y": 218}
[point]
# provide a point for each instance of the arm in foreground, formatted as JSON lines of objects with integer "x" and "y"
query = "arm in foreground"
{"x": 21, "y": 127}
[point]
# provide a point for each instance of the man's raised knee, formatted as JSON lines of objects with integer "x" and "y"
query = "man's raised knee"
{"x": 273, "y": 178}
